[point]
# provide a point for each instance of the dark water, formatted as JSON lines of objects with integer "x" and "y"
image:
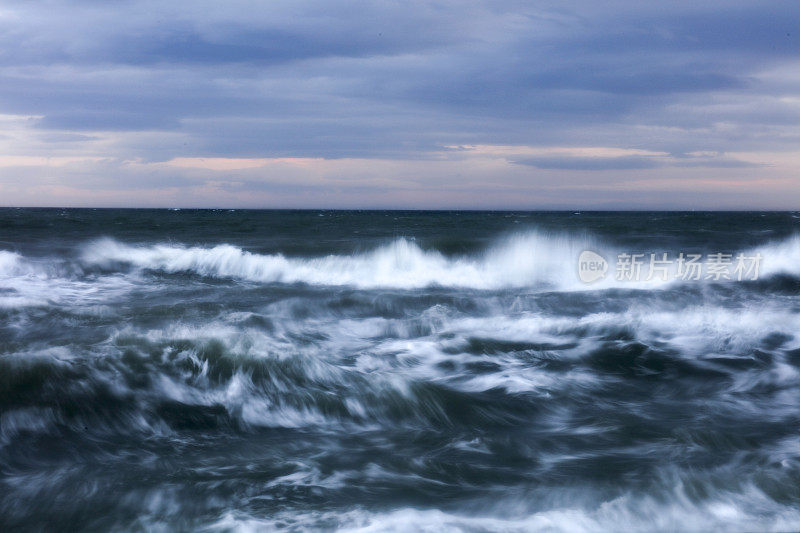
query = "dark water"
{"x": 402, "y": 371}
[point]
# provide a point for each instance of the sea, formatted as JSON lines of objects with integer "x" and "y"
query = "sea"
{"x": 256, "y": 370}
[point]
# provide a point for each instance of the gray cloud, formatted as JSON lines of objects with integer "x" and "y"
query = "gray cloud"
{"x": 591, "y": 163}
{"x": 633, "y": 162}
{"x": 390, "y": 80}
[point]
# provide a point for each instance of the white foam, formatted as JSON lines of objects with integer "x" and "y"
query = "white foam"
{"x": 10, "y": 264}
{"x": 780, "y": 257}
{"x": 26, "y": 282}
{"x": 531, "y": 259}
{"x": 519, "y": 261}
{"x": 750, "y": 510}
{"x": 527, "y": 260}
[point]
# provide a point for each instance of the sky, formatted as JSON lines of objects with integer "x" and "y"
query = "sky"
{"x": 409, "y": 104}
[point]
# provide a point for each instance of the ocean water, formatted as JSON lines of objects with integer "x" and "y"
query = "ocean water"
{"x": 223, "y": 370}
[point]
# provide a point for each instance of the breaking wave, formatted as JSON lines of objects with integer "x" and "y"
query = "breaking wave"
{"x": 781, "y": 257}
{"x": 518, "y": 261}
{"x": 10, "y": 264}
{"x": 532, "y": 259}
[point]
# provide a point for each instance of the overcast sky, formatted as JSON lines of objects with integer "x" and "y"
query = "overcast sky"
{"x": 467, "y": 104}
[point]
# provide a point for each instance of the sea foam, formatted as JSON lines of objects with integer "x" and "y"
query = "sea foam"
{"x": 523, "y": 260}
{"x": 533, "y": 259}
{"x": 10, "y": 264}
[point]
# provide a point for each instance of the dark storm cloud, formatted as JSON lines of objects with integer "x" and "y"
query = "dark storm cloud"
{"x": 403, "y": 80}
{"x": 570, "y": 63}
{"x": 143, "y": 33}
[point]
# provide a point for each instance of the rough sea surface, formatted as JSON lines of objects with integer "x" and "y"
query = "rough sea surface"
{"x": 393, "y": 371}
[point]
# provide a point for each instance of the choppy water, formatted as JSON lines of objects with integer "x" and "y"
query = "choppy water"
{"x": 405, "y": 371}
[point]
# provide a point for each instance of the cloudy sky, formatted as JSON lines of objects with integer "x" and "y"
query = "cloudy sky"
{"x": 462, "y": 104}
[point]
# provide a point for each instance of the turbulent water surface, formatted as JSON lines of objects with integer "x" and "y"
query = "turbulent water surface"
{"x": 371, "y": 371}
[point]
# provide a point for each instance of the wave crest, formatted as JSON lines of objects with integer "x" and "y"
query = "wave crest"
{"x": 518, "y": 261}
{"x": 10, "y": 264}
{"x": 780, "y": 257}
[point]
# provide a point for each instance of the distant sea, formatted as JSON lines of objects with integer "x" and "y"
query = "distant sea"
{"x": 226, "y": 370}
